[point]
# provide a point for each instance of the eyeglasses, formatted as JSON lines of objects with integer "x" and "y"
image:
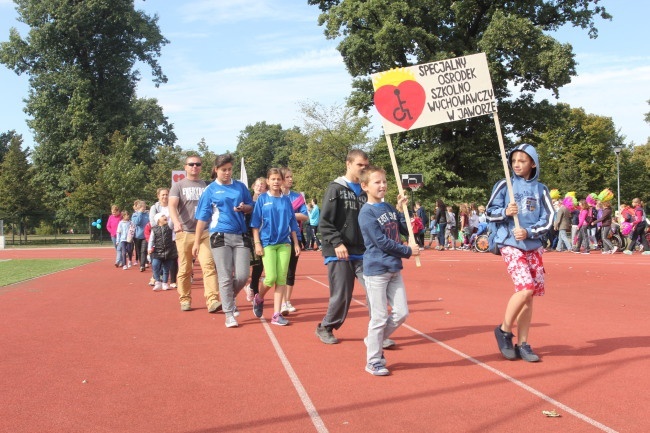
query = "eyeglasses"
{"x": 194, "y": 164}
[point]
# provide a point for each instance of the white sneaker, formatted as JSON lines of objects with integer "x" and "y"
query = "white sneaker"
{"x": 231, "y": 322}
{"x": 124, "y": 268}
{"x": 235, "y": 311}
{"x": 291, "y": 308}
{"x": 284, "y": 310}
{"x": 614, "y": 249}
{"x": 157, "y": 286}
{"x": 249, "y": 293}
{"x": 165, "y": 286}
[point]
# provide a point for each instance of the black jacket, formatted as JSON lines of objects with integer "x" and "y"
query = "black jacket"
{"x": 339, "y": 219}
{"x": 163, "y": 246}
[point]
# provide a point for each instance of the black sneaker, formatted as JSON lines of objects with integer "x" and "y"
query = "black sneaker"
{"x": 326, "y": 335}
{"x": 504, "y": 341}
{"x": 525, "y": 352}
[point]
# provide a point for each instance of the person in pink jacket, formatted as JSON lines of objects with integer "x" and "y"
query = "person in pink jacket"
{"x": 111, "y": 227}
{"x": 583, "y": 225}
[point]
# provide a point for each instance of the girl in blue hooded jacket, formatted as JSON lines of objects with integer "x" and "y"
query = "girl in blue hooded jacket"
{"x": 521, "y": 247}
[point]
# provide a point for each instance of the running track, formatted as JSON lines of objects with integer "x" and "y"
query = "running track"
{"x": 93, "y": 349}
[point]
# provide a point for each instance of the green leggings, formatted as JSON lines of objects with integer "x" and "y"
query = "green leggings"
{"x": 276, "y": 263}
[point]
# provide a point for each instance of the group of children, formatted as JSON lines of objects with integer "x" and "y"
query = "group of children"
{"x": 274, "y": 236}
{"x": 153, "y": 245}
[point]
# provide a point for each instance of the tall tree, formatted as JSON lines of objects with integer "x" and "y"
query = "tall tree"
{"x": 577, "y": 152}
{"x": 80, "y": 58}
{"x": 262, "y": 146}
{"x": 17, "y": 202}
{"x": 319, "y": 148}
{"x": 379, "y": 35}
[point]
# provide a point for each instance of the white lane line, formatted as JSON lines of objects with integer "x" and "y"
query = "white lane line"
{"x": 302, "y": 393}
{"x": 503, "y": 375}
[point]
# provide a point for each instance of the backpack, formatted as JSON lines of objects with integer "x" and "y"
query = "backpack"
{"x": 492, "y": 229}
{"x": 131, "y": 233}
{"x": 492, "y": 233}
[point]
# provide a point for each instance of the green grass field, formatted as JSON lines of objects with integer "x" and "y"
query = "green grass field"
{"x": 13, "y": 271}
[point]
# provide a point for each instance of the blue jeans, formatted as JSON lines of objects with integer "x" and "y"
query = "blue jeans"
{"x": 163, "y": 266}
{"x": 563, "y": 240}
{"x": 381, "y": 291}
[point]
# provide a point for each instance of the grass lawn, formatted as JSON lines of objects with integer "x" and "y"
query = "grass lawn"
{"x": 13, "y": 271}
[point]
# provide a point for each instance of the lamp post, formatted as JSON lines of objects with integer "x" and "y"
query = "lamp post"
{"x": 617, "y": 151}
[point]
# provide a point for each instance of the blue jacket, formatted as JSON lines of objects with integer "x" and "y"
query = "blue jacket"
{"x": 535, "y": 206}
{"x": 381, "y": 226}
{"x": 140, "y": 219}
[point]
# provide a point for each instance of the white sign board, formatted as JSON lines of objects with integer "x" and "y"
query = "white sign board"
{"x": 434, "y": 93}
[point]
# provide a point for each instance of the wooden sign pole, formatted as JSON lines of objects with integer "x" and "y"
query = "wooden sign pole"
{"x": 401, "y": 191}
{"x": 504, "y": 160}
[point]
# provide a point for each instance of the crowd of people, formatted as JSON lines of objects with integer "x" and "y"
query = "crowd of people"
{"x": 252, "y": 242}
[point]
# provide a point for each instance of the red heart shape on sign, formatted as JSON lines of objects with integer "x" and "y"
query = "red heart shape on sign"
{"x": 401, "y": 105}
{"x": 178, "y": 177}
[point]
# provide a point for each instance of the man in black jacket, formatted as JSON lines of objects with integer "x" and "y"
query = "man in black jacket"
{"x": 342, "y": 242}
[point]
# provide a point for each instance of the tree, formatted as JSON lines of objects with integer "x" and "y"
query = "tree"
{"x": 123, "y": 176}
{"x": 80, "y": 57}
{"x": 319, "y": 148}
{"x": 262, "y": 146}
{"x": 17, "y": 202}
{"x": 577, "y": 152}
{"x": 379, "y": 35}
{"x": 5, "y": 139}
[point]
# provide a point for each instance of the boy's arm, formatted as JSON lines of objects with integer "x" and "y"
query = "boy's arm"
{"x": 496, "y": 206}
{"x": 329, "y": 232}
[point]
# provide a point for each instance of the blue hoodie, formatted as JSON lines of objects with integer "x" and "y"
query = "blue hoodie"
{"x": 534, "y": 201}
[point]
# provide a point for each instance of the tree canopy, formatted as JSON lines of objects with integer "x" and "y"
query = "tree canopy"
{"x": 80, "y": 58}
{"x": 458, "y": 157}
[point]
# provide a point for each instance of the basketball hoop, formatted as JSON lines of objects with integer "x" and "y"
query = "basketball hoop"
{"x": 415, "y": 186}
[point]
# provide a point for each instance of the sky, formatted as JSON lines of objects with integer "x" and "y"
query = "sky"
{"x": 233, "y": 63}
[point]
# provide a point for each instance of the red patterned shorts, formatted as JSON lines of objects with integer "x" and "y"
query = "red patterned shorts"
{"x": 526, "y": 269}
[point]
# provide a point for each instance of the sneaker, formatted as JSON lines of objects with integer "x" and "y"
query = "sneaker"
{"x": 585, "y": 252}
{"x": 504, "y": 341}
{"x": 628, "y": 252}
{"x": 124, "y": 268}
{"x": 377, "y": 369}
{"x": 129, "y": 265}
{"x": 284, "y": 310}
{"x": 152, "y": 281}
{"x": 186, "y": 306}
{"x": 141, "y": 268}
{"x": 215, "y": 306}
{"x": 235, "y": 311}
{"x": 278, "y": 319}
{"x": 615, "y": 249}
{"x": 388, "y": 343}
{"x": 291, "y": 308}
{"x": 165, "y": 286}
{"x": 645, "y": 253}
{"x": 249, "y": 293}
{"x": 258, "y": 305}
{"x": 525, "y": 352}
{"x": 117, "y": 265}
{"x": 173, "y": 285}
{"x": 231, "y": 322}
{"x": 326, "y": 335}
{"x": 157, "y": 286}
{"x": 575, "y": 252}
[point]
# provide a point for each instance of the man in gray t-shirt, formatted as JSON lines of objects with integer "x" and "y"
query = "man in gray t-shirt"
{"x": 183, "y": 198}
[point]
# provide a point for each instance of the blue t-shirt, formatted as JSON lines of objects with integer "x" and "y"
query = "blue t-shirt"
{"x": 275, "y": 219}
{"x": 299, "y": 206}
{"x": 217, "y": 204}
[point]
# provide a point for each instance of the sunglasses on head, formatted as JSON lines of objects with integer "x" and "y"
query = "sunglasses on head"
{"x": 194, "y": 164}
